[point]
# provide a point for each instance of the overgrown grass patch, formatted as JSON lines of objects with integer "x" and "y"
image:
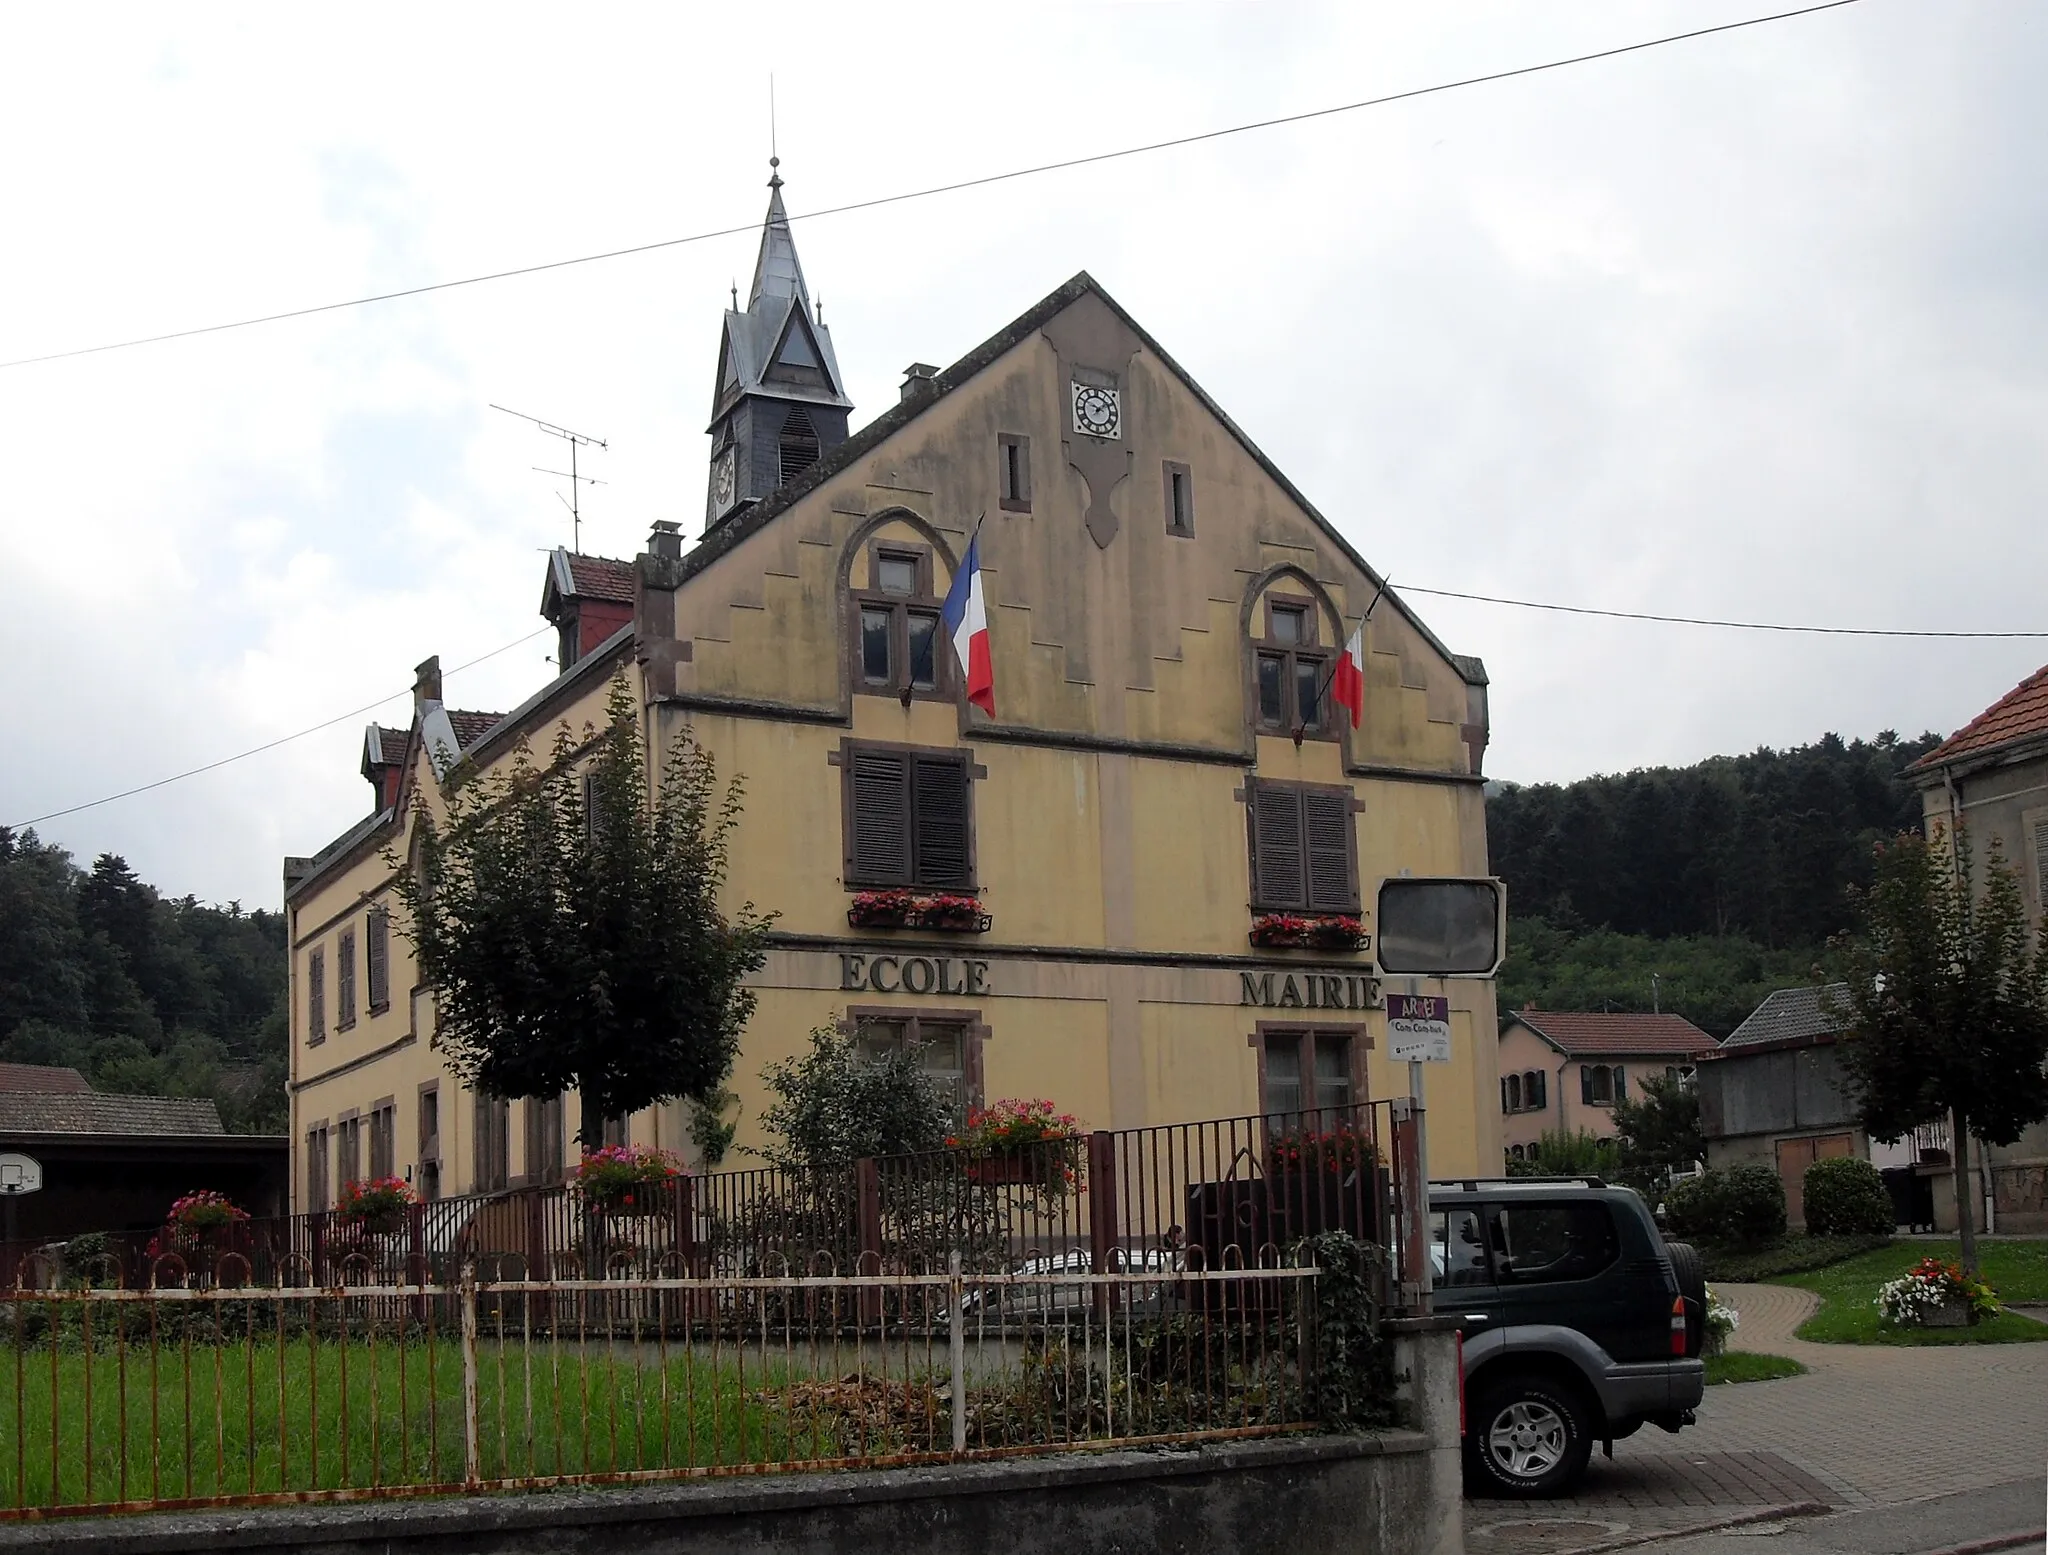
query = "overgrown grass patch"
{"x": 2018, "y": 1271}
{"x": 1786, "y": 1255}
{"x": 1750, "y": 1366}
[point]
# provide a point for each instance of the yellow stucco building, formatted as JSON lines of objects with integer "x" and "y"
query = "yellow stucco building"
{"x": 1162, "y": 767}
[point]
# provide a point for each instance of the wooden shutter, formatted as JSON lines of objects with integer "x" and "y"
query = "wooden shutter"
{"x": 2041, "y": 865}
{"x": 878, "y": 818}
{"x": 1586, "y": 1084}
{"x": 316, "y": 995}
{"x": 1278, "y": 878}
{"x": 1328, "y": 834}
{"x": 345, "y": 979}
{"x": 380, "y": 959}
{"x": 939, "y": 811}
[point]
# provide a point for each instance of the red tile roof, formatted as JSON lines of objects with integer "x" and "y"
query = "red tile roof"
{"x": 392, "y": 743}
{"x": 2021, "y": 712}
{"x": 42, "y": 1079}
{"x": 600, "y": 577}
{"x": 471, "y": 727}
{"x": 1587, "y": 1031}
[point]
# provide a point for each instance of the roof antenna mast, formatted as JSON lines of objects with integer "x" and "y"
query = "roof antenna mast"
{"x": 572, "y": 475}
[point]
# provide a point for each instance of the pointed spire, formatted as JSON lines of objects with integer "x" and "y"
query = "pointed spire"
{"x": 776, "y": 272}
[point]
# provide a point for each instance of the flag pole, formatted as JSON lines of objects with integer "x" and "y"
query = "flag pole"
{"x": 1300, "y": 726}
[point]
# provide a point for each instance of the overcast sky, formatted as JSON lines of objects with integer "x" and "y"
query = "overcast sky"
{"x": 1751, "y": 326}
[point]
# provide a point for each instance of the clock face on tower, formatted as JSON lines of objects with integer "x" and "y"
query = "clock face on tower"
{"x": 724, "y": 480}
{"x": 1097, "y": 411}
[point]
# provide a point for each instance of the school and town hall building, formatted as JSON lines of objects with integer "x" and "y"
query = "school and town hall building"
{"x": 1163, "y": 768}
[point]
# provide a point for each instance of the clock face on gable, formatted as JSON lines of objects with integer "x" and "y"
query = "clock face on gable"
{"x": 724, "y": 479}
{"x": 1097, "y": 411}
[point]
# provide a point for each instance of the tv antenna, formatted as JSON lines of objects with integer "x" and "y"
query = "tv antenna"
{"x": 572, "y": 475}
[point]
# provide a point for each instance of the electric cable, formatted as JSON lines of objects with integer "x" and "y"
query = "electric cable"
{"x": 938, "y": 189}
{"x": 1739, "y": 626}
{"x": 268, "y": 745}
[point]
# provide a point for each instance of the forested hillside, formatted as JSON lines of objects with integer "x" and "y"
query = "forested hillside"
{"x": 143, "y": 993}
{"x": 1725, "y": 878}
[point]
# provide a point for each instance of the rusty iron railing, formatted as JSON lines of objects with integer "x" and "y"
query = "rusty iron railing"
{"x": 220, "y": 1392}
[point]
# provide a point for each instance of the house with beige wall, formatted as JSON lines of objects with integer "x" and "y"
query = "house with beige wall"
{"x": 1990, "y": 778}
{"x": 1162, "y": 769}
{"x": 1565, "y": 1069}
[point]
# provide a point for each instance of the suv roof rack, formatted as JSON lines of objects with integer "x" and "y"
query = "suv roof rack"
{"x": 1474, "y": 1184}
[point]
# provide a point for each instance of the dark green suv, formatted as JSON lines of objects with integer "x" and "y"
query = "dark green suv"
{"x": 1579, "y": 1323}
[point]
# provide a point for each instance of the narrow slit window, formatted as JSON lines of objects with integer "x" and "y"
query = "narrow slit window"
{"x": 1180, "y": 499}
{"x": 1013, "y": 473}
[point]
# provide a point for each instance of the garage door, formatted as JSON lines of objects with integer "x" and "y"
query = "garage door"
{"x": 1795, "y": 1156}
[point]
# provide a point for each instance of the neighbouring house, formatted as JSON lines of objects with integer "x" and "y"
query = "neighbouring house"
{"x": 1775, "y": 1092}
{"x": 1141, "y": 887}
{"x": 1565, "y": 1069}
{"x": 1991, "y": 778}
{"x": 116, "y": 1163}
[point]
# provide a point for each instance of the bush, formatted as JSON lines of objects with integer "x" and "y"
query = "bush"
{"x": 1567, "y": 1153}
{"x": 1743, "y": 1206}
{"x": 1787, "y": 1255}
{"x": 1847, "y": 1197}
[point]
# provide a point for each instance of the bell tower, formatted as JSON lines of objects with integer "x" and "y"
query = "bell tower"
{"x": 779, "y": 405}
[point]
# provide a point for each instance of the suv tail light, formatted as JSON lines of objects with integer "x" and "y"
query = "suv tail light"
{"x": 1678, "y": 1326}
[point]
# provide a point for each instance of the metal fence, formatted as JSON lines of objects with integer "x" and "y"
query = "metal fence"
{"x": 1145, "y": 1285}
{"x": 1230, "y": 1192}
{"x": 160, "y": 1398}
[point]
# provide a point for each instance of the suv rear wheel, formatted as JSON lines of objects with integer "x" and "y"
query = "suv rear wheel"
{"x": 1526, "y": 1435}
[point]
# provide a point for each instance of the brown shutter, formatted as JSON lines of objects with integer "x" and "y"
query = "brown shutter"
{"x": 1279, "y": 879}
{"x": 380, "y": 958}
{"x": 1327, "y": 829}
{"x": 316, "y": 995}
{"x": 939, "y": 804}
{"x": 878, "y": 851}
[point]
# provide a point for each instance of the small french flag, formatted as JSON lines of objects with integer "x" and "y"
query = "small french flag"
{"x": 1347, "y": 681}
{"x": 966, "y": 617}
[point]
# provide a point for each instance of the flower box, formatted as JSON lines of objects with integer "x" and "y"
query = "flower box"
{"x": 206, "y": 1211}
{"x": 627, "y": 1180}
{"x": 1935, "y": 1294}
{"x": 1021, "y": 1143}
{"x": 1295, "y": 931}
{"x": 375, "y": 1206}
{"x": 914, "y": 910}
{"x": 1005, "y": 1170}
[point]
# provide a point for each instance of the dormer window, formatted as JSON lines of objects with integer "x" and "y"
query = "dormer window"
{"x": 1290, "y": 669}
{"x": 897, "y": 650}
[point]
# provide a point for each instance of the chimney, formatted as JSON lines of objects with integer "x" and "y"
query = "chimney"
{"x": 666, "y": 541}
{"x": 426, "y": 685}
{"x": 919, "y": 381}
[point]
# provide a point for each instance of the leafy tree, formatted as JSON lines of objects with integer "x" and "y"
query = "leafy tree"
{"x": 1714, "y": 981}
{"x": 1947, "y": 1003}
{"x": 1657, "y": 1134}
{"x": 834, "y": 1105}
{"x": 569, "y": 923}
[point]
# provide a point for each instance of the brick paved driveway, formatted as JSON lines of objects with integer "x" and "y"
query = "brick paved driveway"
{"x": 1867, "y": 1426}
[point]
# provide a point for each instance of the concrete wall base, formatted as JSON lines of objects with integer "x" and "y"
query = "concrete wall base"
{"x": 1383, "y": 1494}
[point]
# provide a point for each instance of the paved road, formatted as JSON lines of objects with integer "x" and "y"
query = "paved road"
{"x": 1869, "y": 1428}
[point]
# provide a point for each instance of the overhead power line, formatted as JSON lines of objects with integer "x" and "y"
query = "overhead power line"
{"x": 950, "y": 188}
{"x": 1407, "y": 588}
{"x": 1739, "y": 626}
{"x": 269, "y": 745}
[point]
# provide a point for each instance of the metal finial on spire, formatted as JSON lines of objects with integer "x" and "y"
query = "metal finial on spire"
{"x": 735, "y": 294}
{"x": 774, "y": 178}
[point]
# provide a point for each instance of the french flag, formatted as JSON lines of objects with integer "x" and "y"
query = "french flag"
{"x": 966, "y": 617}
{"x": 1347, "y": 682}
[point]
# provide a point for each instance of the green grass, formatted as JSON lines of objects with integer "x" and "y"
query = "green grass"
{"x": 207, "y": 1420}
{"x": 1787, "y": 1255}
{"x": 2018, "y": 1271}
{"x": 1750, "y": 1366}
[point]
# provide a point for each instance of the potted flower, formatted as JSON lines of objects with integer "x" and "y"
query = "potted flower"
{"x": 1721, "y": 1321}
{"x": 626, "y": 1179}
{"x": 204, "y": 1212}
{"x": 1936, "y": 1294}
{"x": 1298, "y": 931}
{"x": 375, "y": 1205}
{"x": 1323, "y": 1180}
{"x": 901, "y": 909}
{"x": 1021, "y": 1142}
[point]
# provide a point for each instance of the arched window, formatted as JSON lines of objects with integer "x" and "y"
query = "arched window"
{"x": 1514, "y": 1098}
{"x": 1290, "y": 667}
{"x": 798, "y": 447}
